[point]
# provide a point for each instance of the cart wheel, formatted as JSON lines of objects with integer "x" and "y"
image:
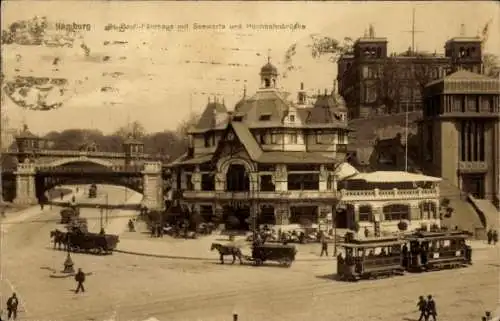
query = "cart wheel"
{"x": 287, "y": 262}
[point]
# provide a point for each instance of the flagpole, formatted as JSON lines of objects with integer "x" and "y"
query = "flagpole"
{"x": 406, "y": 138}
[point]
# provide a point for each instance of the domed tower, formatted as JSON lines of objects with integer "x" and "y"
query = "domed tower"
{"x": 268, "y": 75}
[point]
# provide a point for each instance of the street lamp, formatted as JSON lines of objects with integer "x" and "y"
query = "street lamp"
{"x": 68, "y": 263}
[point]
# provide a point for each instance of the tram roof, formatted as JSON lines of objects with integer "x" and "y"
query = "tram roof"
{"x": 366, "y": 245}
{"x": 438, "y": 235}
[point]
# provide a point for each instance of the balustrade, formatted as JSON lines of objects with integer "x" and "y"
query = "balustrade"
{"x": 389, "y": 194}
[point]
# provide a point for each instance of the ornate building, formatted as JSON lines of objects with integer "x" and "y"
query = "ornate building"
{"x": 270, "y": 156}
{"x": 374, "y": 82}
{"x": 460, "y": 133}
{"x": 283, "y": 162}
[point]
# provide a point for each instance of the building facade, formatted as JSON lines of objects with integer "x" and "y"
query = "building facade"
{"x": 270, "y": 157}
{"x": 379, "y": 201}
{"x": 460, "y": 131}
{"x": 373, "y": 82}
{"x": 274, "y": 161}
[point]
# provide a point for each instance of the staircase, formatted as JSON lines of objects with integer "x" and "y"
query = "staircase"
{"x": 464, "y": 215}
{"x": 487, "y": 212}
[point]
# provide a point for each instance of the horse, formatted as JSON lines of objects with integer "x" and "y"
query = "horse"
{"x": 225, "y": 250}
{"x": 59, "y": 237}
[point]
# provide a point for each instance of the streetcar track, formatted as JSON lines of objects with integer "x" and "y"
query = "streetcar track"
{"x": 172, "y": 303}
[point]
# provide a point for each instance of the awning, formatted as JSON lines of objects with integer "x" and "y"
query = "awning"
{"x": 393, "y": 177}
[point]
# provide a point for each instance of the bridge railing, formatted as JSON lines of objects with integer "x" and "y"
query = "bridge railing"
{"x": 96, "y": 169}
{"x": 97, "y": 154}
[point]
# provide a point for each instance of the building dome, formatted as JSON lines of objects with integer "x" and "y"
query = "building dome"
{"x": 269, "y": 68}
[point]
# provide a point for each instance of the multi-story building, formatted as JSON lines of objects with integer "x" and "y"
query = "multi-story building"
{"x": 270, "y": 159}
{"x": 269, "y": 156}
{"x": 460, "y": 133}
{"x": 372, "y": 82}
{"x": 379, "y": 201}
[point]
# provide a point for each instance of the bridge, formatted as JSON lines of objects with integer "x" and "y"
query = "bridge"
{"x": 38, "y": 169}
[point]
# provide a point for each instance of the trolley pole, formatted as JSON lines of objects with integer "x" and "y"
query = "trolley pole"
{"x": 107, "y": 208}
{"x": 100, "y": 217}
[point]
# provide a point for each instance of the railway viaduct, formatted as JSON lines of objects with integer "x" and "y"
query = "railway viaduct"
{"x": 37, "y": 169}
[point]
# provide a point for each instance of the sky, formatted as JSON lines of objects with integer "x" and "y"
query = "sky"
{"x": 165, "y": 75}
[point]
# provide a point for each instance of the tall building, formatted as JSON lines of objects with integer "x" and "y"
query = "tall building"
{"x": 459, "y": 133}
{"x": 374, "y": 82}
{"x": 281, "y": 163}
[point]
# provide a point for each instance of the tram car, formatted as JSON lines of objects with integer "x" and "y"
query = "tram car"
{"x": 416, "y": 252}
{"x": 370, "y": 258}
{"x": 427, "y": 251}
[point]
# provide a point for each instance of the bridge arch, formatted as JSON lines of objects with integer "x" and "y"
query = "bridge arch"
{"x": 83, "y": 159}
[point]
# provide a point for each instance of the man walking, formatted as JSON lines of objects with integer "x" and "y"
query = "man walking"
{"x": 324, "y": 245}
{"x": 12, "y": 304}
{"x": 80, "y": 278}
{"x": 431, "y": 308}
{"x": 422, "y": 307}
{"x": 495, "y": 237}
{"x": 489, "y": 235}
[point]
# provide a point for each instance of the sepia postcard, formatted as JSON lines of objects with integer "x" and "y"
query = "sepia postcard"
{"x": 249, "y": 161}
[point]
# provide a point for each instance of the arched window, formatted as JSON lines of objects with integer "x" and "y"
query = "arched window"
{"x": 396, "y": 212}
{"x": 237, "y": 179}
{"x": 365, "y": 213}
{"x": 267, "y": 83}
{"x": 428, "y": 211}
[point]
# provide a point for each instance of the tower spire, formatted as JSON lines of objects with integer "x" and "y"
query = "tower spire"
{"x": 268, "y": 55}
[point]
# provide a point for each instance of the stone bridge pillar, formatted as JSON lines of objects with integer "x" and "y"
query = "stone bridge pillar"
{"x": 25, "y": 184}
{"x": 153, "y": 186}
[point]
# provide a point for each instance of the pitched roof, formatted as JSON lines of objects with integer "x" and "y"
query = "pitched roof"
{"x": 279, "y": 157}
{"x": 264, "y": 102}
{"x": 247, "y": 139}
{"x": 213, "y": 117}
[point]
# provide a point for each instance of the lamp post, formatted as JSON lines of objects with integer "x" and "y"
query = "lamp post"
{"x": 68, "y": 263}
{"x": 107, "y": 208}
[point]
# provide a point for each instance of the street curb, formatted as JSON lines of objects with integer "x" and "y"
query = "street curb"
{"x": 164, "y": 256}
{"x": 191, "y": 258}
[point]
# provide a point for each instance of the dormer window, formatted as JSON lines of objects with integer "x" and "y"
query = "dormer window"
{"x": 292, "y": 118}
{"x": 265, "y": 117}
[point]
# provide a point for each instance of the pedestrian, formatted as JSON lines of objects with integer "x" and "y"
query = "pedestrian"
{"x": 61, "y": 195}
{"x": 422, "y": 307}
{"x": 495, "y": 237}
{"x": 367, "y": 232}
{"x": 80, "y": 278}
{"x": 324, "y": 245}
{"x": 12, "y": 304}
{"x": 3, "y": 212}
{"x": 489, "y": 235}
{"x": 431, "y": 308}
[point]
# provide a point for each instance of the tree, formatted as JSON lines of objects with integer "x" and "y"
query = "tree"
{"x": 491, "y": 65}
{"x": 389, "y": 85}
{"x": 185, "y": 125}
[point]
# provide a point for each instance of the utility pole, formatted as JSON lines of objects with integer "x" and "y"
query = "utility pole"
{"x": 406, "y": 137}
{"x": 413, "y": 31}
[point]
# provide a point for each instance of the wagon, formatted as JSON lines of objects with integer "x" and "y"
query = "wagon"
{"x": 92, "y": 242}
{"x": 68, "y": 213}
{"x": 283, "y": 254}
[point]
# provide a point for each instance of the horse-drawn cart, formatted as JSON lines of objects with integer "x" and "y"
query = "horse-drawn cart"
{"x": 68, "y": 213}
{"x": 92, "y": 242}
{"x": 283, "y": 254}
